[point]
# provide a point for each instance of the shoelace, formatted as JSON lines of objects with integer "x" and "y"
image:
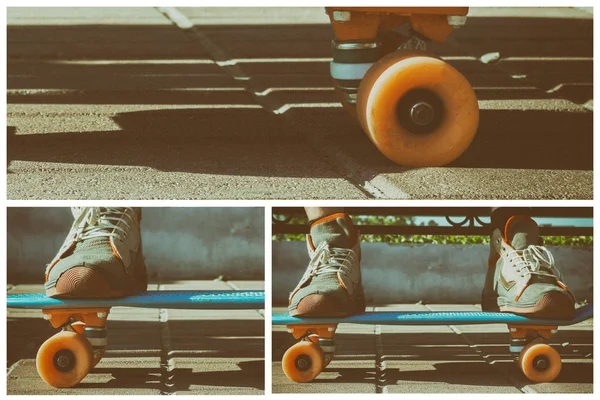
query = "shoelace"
{"x": 96, "y": 222}
{"x": 534, "y": 260}
{"x": 331, "y": 260}
{"x": 93, "y": 222}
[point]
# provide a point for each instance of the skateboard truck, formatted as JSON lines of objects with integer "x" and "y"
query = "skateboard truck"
{"x": 375, "y": 67}
{"x": 66, "y": 358}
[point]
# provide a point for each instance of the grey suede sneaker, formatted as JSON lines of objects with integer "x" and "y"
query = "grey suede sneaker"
{"x": 332, "y": 284}
{"x": 522, "y": 277}
{"x": 101, "y": 256}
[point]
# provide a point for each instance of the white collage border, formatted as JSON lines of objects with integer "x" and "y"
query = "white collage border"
{"x": 268, "y": 204}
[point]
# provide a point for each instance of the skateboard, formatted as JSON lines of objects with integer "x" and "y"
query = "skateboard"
{"x": 66, "y": 358}
{"x": 305, "y": 360}
{"x": 417, "y": 109}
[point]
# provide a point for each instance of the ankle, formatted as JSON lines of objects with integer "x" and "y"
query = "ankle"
{"x": 336, "y": 230}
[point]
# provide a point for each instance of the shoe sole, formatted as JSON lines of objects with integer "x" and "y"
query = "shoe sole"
{"x": 83, "y": 282}
{"x": 554, "y": 305}
{"x": 318, "y": 305}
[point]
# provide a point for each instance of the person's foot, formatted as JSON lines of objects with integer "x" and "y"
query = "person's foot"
{"x": 332, "y": 284}
{"x": 101, "y": 256}
{"x": 522, "y": 277}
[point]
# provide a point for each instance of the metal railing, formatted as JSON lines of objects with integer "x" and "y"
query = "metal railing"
{"x": 464, "y": 221}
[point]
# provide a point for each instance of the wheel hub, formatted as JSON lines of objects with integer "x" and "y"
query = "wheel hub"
{"x": 64, "y": 360}
{"x": 420, "y": 111}
{"x": 541, "y": 363}
{"x": 303, "y": 362}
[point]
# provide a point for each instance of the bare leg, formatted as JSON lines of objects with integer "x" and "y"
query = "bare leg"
{"x": 500, "y": 215}
{"x": 315, "y": 213}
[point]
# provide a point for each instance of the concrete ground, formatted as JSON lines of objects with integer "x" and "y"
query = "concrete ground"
{"x": 142, "y": 103}
{"x": 153, "y": 351}
{"x": 435, "y": 359}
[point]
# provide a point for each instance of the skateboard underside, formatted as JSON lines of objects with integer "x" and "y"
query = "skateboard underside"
{"x": 67, "y": 357}
{"x": 173, "y": 299}
{"x": 538, "y": 361}
{"x": 435, "y": 318}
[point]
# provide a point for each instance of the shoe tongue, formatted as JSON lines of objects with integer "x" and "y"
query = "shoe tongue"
{"x": 522, "y": 232}
{"x": 336, "y": 232}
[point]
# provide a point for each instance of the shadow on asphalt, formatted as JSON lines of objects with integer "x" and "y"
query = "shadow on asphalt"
{"x": 251, "y": 374}
{"x": 475, "y": 373}
{"x": 480, "y": 373}
{"x": 242, "y": 141}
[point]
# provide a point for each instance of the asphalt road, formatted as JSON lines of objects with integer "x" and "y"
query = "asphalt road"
{"x": 143, "y": 103}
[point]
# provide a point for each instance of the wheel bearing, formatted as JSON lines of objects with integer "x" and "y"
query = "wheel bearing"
{"x": 420, "y": 111}
{"x": 64, "y": 360}
{"x": 303, "y": 362}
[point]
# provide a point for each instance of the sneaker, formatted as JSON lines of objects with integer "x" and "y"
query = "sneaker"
{"x": 101, "y": 256}
{"x": 522, "y": 277}
{"x": 332, "y": 284}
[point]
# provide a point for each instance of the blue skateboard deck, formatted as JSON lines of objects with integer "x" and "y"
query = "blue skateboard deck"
{"x": 435, "y": 318}
{"x": 172, "y": 299}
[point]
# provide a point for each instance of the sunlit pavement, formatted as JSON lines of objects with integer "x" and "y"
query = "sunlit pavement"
{"x": 144, "y": 103}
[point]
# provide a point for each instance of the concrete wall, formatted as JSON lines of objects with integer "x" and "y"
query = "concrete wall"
{"x": 432, "y": 273}
{"x": 179, "y": 243}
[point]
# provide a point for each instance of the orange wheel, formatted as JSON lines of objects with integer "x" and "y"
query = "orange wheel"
{"x": 417, "y": 109}
{"x": 540, "y": 362}
{"x": 64, "y": 359}
{"x": 303, "y": 362}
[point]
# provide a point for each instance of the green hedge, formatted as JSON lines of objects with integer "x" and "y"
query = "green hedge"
{"x": 444, "y": 239}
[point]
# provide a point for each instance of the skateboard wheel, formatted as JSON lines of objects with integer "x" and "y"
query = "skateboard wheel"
{"x": 64, "y": 359}
{"x": 540, "y": 362}
{"x": 417, "y": 109}
{"x": 303, "y": 362}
